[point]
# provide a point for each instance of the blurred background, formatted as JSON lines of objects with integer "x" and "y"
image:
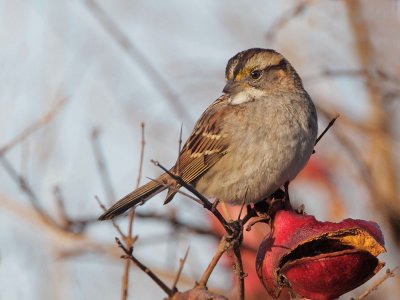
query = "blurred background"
{"x": 78, "y": 78}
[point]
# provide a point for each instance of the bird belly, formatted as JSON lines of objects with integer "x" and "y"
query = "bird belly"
{"x": 259, "y": 164}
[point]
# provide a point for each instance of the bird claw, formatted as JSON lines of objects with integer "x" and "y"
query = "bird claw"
{"x": 236, "y": 234}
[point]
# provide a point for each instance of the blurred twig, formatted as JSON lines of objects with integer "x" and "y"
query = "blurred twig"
{"x": 129, "y": 240}
{"x": 374, "y": 287}
{"x": 69, "y": 242}
{"x": 18, "y": 178}
{"x": 139, "y": 58}
{"x": 285, "y": 18}
{"x": 378, "y": 75}
{"x": 102, "y": 167}
{"x": 43, "y": 120}
{"x": 28, "y": 191}
{"x": 382, "y": 166}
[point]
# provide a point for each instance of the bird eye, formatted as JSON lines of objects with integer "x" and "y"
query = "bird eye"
{"x": 255, "y": 74}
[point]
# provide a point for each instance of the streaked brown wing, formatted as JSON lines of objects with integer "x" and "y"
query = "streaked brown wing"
{"x": 207, "y": 144}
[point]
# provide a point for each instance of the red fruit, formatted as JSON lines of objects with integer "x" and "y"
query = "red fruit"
{"x": 318, "y": 260}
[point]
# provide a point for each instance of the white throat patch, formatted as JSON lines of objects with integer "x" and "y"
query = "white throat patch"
{"x": 239, "y": 98}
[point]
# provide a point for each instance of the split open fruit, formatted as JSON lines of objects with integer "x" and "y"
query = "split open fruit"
{"x": 318, "y": 260}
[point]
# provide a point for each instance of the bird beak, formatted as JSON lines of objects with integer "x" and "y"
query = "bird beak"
{"x": 231, "y": 87}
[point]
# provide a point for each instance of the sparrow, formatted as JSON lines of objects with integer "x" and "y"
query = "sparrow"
{"x": 249, "y": 142}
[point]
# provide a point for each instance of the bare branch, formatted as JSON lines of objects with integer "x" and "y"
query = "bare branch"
{"x": 374, "y": 287}
{"x": 181, "y": 265}
{"x": 176, "y": 189}
{"x": 206, "y": 203}
{"x": 101, "y": 165}
{"x": 327, "y": 128}
{"x": 28, "y": 191}
{"x": 129, "y": 240}
{"x": 284, "y": 19}
{"x": 151, "y": 274}
{"x": 45, "y": 119}
{"x": 239, "y": 271}
{"x": 112, "y": 220}
{"x": 222, "y": 247}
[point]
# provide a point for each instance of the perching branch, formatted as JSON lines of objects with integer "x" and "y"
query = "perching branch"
{"x": 222, "y": 247}
{"x": 206, "y": 203}
{"x": 151, "y": 274}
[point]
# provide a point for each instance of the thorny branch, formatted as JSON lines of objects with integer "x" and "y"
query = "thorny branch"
{"x": 128, "y": 238}
{"x": 232, "y": 239}
{"x": 206, "y": 203}
{"x": 145, "y": 269}
{"x": 234, "y": 229}
{"x": 178, "y": 274}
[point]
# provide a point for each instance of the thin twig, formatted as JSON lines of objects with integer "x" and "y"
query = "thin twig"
{"x": 28, "y": 191}
{"x": 206, "y": 203}
{"x": 72, "y": 225}
{"x": 45, "y": 119}
{"x": 145, "y": 269}
{"x": 377, "y": 75}
{"x": 222, "y": 247}
{"x": 112, "y": 220}
{"x": 225, "y": 210}
{"x": 362, "y": 166}
{"x": 139, "y": 58}
{"x": 129, "y": 239}
{"x": 176, "y": 189}
{"x": 178, "y": 163}
{"x": 327, "y": 128}
{"x": 101, "y": 165}
{"x": 250, "y": 214}
{"x": 241, "y": 208}
{"x": 142, "y": 144}
{"x": 239, "y": 271}
{"x": 284, "y": 19}
{"x": 18, "y": 178}
{"x": 389, "y": 274}
{"x": 62, "y": 214}
{"x": 182, "y": 262}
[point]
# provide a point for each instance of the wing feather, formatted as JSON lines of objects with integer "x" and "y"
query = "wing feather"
{"x": 207, "y": 144}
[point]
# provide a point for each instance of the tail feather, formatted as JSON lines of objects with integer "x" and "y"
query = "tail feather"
{"x": 134, "y": 198}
